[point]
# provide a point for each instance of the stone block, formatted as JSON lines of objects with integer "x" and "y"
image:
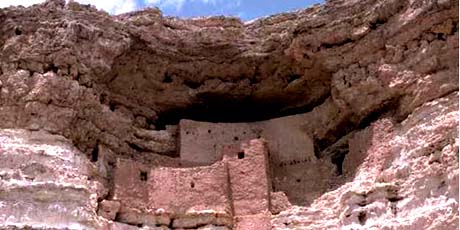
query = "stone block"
{"x": 136, "y": 216}
{"x": 253, "y": 222}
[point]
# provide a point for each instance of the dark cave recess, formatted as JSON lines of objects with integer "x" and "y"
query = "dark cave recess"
{"x": 218, "y": 108}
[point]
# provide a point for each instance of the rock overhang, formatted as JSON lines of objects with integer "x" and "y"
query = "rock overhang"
{"x": 111, "y": 84}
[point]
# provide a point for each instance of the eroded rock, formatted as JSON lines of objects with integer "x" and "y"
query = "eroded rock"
{"x": 357, "y": 101}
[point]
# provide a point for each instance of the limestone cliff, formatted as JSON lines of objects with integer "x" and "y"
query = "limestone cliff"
{"x": 338, "y": 116}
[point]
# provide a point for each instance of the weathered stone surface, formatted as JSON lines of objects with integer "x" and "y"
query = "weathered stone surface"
{"x": 108, "y": 209}
{"x": 292, "y": 154}
{"x": 192, "y": 197}
{"x": 372, "y": 86}
{"x": 249, "y": 181}
{"x": 408, "y": 179}
{"x": 200, "y": 192}
{"x": 45, "y": 182}
{"x": 131, "y": 188}
{"x": 278, "y": 202}
{"x": 253, "y": 222}
{"x": 202, "y": 142}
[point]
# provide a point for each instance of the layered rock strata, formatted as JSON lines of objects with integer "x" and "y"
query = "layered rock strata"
{"x": 357, "y": 100}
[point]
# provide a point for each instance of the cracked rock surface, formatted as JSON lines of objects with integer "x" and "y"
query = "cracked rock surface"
{"x": 376, "y": 82}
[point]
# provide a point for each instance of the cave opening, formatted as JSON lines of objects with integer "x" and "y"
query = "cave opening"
{"x": 216, "y": 108}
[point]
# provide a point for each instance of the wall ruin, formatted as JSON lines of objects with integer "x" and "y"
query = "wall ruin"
{"x": 224, "y": 164}
{"x": 291, "y": 152}
{"x": 224, "y": 193}
{"x": 363, "y": 92}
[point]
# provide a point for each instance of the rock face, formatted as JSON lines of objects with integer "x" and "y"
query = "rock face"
{"x": 46, "y": 182}
{"x": 338, "y": 116}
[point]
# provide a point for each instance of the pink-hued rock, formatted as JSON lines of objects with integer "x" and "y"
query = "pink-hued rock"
{"x": 45, "y": 182}
{"x": 408, "y": 179}
{"x": 357, "y": 100}
{"x": 278, "y": 202}
{"x": 108, "y": 209}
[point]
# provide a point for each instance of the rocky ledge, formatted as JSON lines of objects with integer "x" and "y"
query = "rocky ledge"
{"x": 338, "y": 116}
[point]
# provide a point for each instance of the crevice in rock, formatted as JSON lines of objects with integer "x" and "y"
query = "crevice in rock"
{"x": 338, "y": 161}
{"x": 167, "y": 78}
{"x": 112, "y": 106}
{"x": 386, "y": 108}
{"x": 192, "y": 84}
{"x": 95, "y": 153}
{"x": 135, "y": 147}
{"x": 293, "y": 77}
{"x": 362, "y": 218}
{"x": 143, "y": 176}
{"x": 17, "y": 31}
{"x": 351, "y": 124}
{"x": 338, "y": 44}
{"x": 441, "y": 36}
{"x": 376, "y": 24}
{"x": 399, "y": 117}
{"x": 343, "y": 127}
{"x": 51, "y": 68}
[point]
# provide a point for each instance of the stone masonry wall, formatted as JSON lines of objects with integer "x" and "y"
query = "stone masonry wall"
{"x": 376, "y": 81}
{"x": 201, "y": 142}
{"x": 250, "y": 185}
{"x": 226, "y": 193}
{"x": 291, "y": 152}
{"x": 192, "y": 196}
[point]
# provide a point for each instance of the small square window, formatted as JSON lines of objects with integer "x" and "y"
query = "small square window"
{"x": 143, "y": 176}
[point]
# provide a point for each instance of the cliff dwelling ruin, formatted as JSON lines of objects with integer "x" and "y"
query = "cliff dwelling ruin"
{"x": 338, "y": 116}
{"x": 242, "y": 170}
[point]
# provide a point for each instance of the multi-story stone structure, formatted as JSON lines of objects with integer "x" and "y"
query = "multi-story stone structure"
{"x": 232, "y": 192}
{"x": 291, "y": 152}
{"x": 234, "y": 169}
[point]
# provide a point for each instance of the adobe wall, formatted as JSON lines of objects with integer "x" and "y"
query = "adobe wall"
{"x": 294, "y": 168}
{"x": 186, "y": 192}
{"x": 226, "y": 193}
{"x": 201, "y": 143}
{"x": 291, "y": 152}
{"x": 131, "y": 190}
{"x": 250, "y": 184}
{"x": 249, "y": 178}
{"x": 165, "y": 196}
